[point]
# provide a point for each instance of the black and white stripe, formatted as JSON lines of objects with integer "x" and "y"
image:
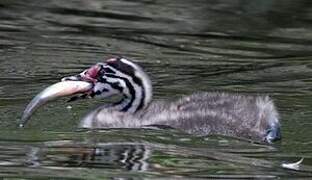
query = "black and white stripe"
{"x": 130, "y": 80}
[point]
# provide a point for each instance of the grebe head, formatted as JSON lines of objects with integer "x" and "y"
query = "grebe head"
{"x": 118, "y": 75}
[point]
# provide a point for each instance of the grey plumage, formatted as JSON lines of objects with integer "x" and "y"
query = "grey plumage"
{"x": 199, "y": 114}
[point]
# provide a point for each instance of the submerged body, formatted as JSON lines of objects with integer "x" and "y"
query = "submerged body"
{"x": 199, "y": 114}
{"x": 230, "y": 114}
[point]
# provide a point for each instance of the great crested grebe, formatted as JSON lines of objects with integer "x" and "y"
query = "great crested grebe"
{"x": 230, "y": 114}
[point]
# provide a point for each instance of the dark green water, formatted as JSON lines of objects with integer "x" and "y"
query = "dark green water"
{"x": 185, "y": 46}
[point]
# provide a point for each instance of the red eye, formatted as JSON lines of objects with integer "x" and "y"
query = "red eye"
{"x": 92, "y": 72}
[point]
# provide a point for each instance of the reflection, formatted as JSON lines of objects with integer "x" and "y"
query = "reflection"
{"x": 132, "y": 157}
{"x": 127, "y": 156}
{"x": 33, "y": 159}
{"x": 19, "y": 155}
{"x": 99, "y": 158}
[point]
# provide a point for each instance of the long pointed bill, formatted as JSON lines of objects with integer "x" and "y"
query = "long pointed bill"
{"x": 57, "y": 90}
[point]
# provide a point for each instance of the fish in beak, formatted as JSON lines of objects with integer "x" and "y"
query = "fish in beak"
{"x": 82, "y": 83}
{"x": 53, "y": 92}
{"x": 89, "y": 83}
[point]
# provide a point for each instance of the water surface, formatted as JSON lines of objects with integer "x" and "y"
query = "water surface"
{"x": 256, "y": 47}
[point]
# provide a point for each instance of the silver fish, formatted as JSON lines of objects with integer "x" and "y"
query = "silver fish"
{"x": 60, "y": 89}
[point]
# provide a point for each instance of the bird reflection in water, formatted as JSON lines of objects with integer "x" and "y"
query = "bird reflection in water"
{"x": 128, "y": 156}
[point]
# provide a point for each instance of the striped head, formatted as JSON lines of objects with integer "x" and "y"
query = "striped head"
{"x": 118, "y": 76}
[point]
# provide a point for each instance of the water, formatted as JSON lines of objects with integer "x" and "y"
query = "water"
{"x": 186, "y": 46}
